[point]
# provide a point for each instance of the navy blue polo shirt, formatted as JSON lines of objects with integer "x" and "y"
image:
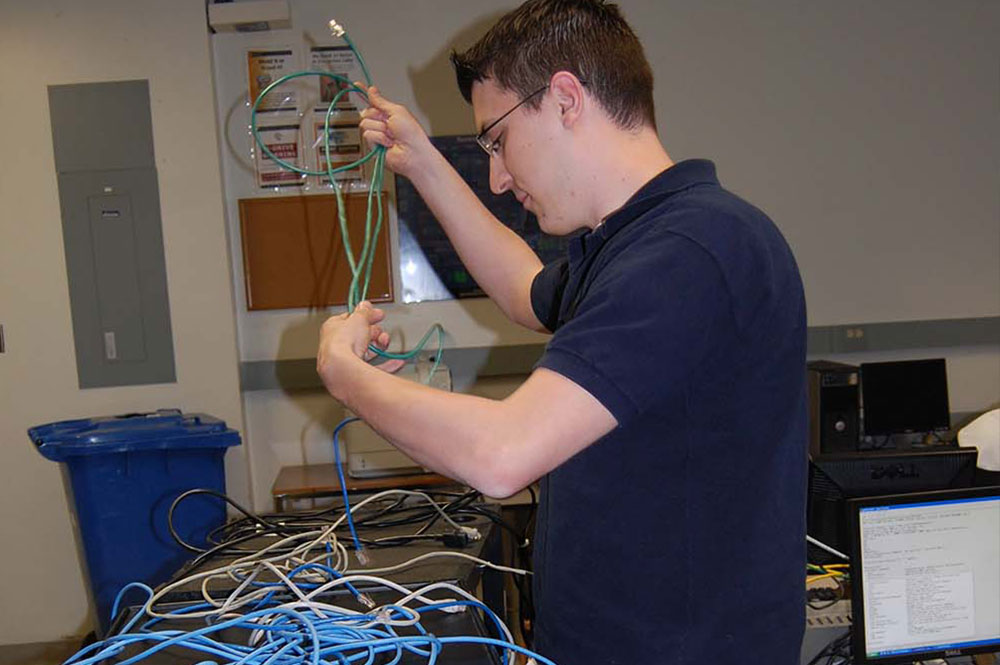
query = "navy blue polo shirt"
{"x": 679, "y": 537}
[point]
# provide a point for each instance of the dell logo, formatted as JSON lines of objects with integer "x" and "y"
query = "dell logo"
{"x": 880, "y": 472}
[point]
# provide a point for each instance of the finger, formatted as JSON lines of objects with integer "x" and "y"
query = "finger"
{"x": 377, "y": 127}
{"x": 373, "y": 314}
{"x": 364, "y": 309}
{"x": 374, "y": 124}
{"x": 376, "y": 99}
{"x": 378, "y": 337}
{"x": 378, "y": 138}
{"x": 373, "y": 115}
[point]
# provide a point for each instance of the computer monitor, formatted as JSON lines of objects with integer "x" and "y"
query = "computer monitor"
{"x": 905, "y": 396}
{"x": 925, "y": 575}
{"x": 835, "y": 478}
{"x": 429, "y": 266}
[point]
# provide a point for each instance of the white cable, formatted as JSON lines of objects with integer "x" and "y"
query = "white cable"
{"x": 827, "y": 548}
{"x": 418, "y": 559}
{"x": 246, "y": 569}
{"x": 385, "y": 493}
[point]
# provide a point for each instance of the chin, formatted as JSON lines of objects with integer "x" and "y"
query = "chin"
{"x": 555, "y": 227}
{"x": 544, "y": 223}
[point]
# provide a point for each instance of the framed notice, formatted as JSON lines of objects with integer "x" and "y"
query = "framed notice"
{"x": 345, "y": 148}
{"x": 263, "y": 69}
{"x": 338, "y": 60}
{"x": 283, "y": 142}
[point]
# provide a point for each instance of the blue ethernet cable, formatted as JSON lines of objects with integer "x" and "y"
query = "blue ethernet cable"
{"x": 118, "y": 597}
{"x": 297, "y": 637}
{"x": 343, "y": 482}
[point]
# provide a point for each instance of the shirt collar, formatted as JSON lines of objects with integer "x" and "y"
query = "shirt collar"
{"x": 677, "y": 178}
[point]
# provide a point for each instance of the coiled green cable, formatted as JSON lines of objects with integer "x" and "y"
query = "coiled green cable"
{"x": 361, "y": 268}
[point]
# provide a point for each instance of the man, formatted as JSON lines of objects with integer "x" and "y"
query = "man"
{"x": 666, "y": 417}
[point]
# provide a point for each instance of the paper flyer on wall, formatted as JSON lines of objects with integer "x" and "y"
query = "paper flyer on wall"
{"x": 345, "y": 147}
{"x": 266, "y": 67}
{"x": 338, "y": 60}
{"x": 283, "y": 142}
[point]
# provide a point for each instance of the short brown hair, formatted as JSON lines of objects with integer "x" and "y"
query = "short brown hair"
{"x": 588, "y": 38}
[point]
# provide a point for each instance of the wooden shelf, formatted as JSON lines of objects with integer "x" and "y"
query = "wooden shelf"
{"x": 321, "y": 480}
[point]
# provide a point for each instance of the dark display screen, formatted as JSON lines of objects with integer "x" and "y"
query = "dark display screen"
{"x": 905, "y": 396}
{"x": 429, "y": 266}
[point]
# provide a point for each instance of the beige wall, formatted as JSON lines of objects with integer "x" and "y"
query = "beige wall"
{"x": 65, "y": 41}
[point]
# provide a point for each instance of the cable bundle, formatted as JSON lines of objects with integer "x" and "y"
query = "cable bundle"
{"x": 361, "y": 267}
{"x": 439, "y": 516}
{"x": 292, "y": 626}
{"x": 387, "y": 509}
{"x": 273, "y": 606}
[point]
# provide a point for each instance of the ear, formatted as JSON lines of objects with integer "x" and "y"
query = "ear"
{"x": 568, "y": 92}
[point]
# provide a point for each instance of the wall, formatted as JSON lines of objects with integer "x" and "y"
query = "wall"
{"x": 870, "y": 133}
{"x": 64, "y": 41}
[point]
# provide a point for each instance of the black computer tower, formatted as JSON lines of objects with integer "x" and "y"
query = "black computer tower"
{"x": 834, "y": 423}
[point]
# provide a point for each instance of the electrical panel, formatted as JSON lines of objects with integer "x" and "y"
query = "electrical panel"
{"x": 102, "y": 141}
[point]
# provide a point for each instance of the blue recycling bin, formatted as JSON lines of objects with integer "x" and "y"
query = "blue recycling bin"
{"x": 125, "y": 472}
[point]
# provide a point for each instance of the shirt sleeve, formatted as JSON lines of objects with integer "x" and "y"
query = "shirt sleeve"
{"x": 647, "y": 321}
{"x": 547, "y": 291}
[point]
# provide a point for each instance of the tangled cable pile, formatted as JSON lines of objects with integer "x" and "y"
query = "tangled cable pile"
{"x": 296, "y": 600}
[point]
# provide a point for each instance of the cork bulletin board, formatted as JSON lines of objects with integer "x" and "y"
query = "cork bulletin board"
{"x": 293, "y": 252}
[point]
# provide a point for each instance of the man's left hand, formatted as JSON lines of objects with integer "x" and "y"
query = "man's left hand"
{"x": 344, "y": 339}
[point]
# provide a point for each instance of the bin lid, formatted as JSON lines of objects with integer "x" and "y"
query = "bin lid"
{"x": 161, "y": 430}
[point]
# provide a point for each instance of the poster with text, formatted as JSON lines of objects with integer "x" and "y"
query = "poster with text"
{"x": 283, "y": 142}
{"x": 263, "y": 69}
{"x": 338, "y": 60}
{"x": 345, "y": 148}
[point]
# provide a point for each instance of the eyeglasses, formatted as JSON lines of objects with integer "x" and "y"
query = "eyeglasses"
{"x": 492, "y": 146}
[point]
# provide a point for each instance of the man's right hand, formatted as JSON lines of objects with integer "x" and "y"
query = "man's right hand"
{"x": 393, "y": 126}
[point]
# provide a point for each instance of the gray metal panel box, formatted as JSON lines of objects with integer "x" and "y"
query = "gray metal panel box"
{"x": 109, "y": 197}
{"x": 100, "y": 126}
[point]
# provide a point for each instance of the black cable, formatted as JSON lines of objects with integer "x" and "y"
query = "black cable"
{"x": 834, "y": 597}
{"x": 461, "y": 506}
{"x": 284, "y": 524}
{"x": 199, "y": 550}
{"x": 220, "y": 550}
{"x": 289, "y": 521}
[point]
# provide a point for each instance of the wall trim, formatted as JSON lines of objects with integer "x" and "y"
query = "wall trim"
{"x": 468, "y": 364}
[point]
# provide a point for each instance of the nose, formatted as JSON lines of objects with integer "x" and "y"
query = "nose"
{"x": 500, "y": 180}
